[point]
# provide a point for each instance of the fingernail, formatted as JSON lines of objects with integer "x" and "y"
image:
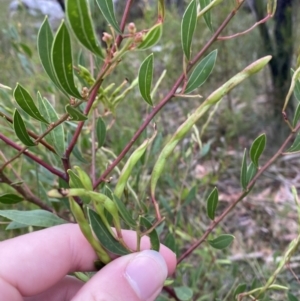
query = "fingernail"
{"x": 146, "y": 274}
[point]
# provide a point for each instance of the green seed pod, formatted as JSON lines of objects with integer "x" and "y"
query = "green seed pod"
{"x": 213, "y": 99}
{"x": 84, "y": 178}
{"x": 87, "y": 232}
{"x": 131, "y": 162}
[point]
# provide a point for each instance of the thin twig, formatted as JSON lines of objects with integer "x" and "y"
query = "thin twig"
{"x": 264, "y": 20}
{"x": 31, "y": 156}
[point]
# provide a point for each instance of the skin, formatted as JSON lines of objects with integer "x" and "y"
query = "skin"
{"x": 35, "y": 266}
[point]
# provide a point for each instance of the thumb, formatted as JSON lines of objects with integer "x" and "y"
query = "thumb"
{"x": 135, "y": 277}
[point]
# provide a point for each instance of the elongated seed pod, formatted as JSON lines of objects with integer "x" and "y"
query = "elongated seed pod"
{"x": 131, "y": 162}
{"x": 212, "y": 99}
{"x": 87, "y": 232}
{"x": 67, "y": 192}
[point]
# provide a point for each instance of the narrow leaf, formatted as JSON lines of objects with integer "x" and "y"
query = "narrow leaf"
{"x": 56, "y": 137}
{"x": 297, "y": 115}
{"x": 145, "y": 78}
{"x": 221, "y": 242}
{"x": 207, "y": 15}
{"x": 296, "y": 145}
{"x": 126, "y": 215}
{"x": 80, "y": 20}
{"x": 25, "y": 101}
{"x": 201, "y": 72}
{"x": 154, "y": 240}
{"x": 100, "y": 131}
{"x": 170, "y": 242}
{"x": 212, "y": 203}
{"x": 37, "y": 218}
{"x": 44, "y": 44}
{"x": 20, "y": 129}
{"x": 291, "y": 297}
{"x": 15, "y": 225}
{"x": 243, "y": 177}
{"x": 104, "y": 236}
{"x": 61, "y": 58}
{"x": 240, "y": 289}
{"x": 107, "y": 9}
{"x": 257, "y": 148}
{"x": 152, "y": 37}
{"x": 297, "y": 90}
{"x": 10, "y": 198}
{"x": 188, "y": 26}
{"x": 75, "y": 114}
{"x": 251, "y": 172}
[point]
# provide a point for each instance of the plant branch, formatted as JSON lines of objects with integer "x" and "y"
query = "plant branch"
{"x": 239, "y": 198}
{"x": 31, "y": 134}
{"x": 30, "y": 155}
{"x": 163, "y": 102}
{"x": 28, "y": 195}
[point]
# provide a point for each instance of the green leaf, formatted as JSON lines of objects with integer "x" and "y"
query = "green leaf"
{"x": 188, "y": 26}
{"x": 25, "y": 101}
{"x": 243, "y": 177}
{"x": 75, "y": 114}
{"x": 107, "y": 9}
{"x": 170, "y": 242}
{"x": 15, "y": 225}
{"x": 183, "y": 293}
{"x": 10, "y": 198}
{"x": 145, "y": 78}
{"x": 152, "y": 37}
{"x": 257, "y": 148}
{"x": 291, "y": 297}
{"x": 191, "y": 196}
{"x": 80, "y": 20}
{"x": 201, "y": 72}
{"x": 296, "y": 145}
{"x": 297, "y": 90}
{"x": 240, "y": 289}
{"x": 207, "y": 15}
{"x": 297, "y": 115}
{"x": 221, "y": 242}
{"x": 44, "y": 44}
{"x": 251, "y": 172}
{"x": 212, "y": 203}
{"x": 126, "y": 215}
{"x": 56, "y": 137}
{"x": 36, "y": 218}
{"x": 104, "y": 236}
{"x": 154, "y": 240}
{"x": 100, "y": 132}
{"x": 20, "y": 129}
{"x": 61, "y": 58}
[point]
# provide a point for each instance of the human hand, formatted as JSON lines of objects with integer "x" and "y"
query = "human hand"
{"x": 33, "y": 267}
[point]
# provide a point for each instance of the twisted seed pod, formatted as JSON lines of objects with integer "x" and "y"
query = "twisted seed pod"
{"x": 131, "y": 162}
{"x": 87, "y": 232}
{"x": 214, "y": 98}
